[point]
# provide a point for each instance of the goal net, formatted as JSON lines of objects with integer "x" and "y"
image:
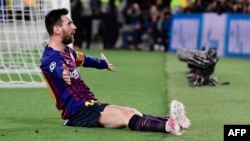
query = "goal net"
{"x": 22, "y": 38}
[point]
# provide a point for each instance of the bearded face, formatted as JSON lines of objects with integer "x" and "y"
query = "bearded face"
{"x": 67, "y": 38}
{"x": 67, "y": 30}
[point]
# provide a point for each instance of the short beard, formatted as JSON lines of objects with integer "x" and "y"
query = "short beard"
{"x": 66, "y": 39}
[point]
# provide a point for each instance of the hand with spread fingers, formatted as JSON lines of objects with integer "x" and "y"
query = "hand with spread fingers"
{"x": 110, "y": 66}
{"x": 66, "y": 74}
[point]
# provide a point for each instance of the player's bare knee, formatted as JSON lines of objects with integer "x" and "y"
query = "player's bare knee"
{"x": 133, "y": 111}
{"x": 137, "y": 112}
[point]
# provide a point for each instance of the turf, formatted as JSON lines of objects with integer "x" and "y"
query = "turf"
{"x": 144, "y": 80}
{"x": 30, "y": 114}
{"x": 210, "y": 108}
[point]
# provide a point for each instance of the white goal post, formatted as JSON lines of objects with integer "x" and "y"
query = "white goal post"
{"x": 22, "y": 38}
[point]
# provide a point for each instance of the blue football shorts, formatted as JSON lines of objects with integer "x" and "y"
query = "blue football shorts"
{"x": 87, "y": 116}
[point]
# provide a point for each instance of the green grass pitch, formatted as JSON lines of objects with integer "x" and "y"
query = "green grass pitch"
{"x": 147, "y": 81}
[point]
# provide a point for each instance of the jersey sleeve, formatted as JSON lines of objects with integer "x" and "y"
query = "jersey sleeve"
{"x": 53, "y": 65}
{"x": 93, "y": 62}
{"x": 58, "y": 70}
{"x": 89, "y": 61}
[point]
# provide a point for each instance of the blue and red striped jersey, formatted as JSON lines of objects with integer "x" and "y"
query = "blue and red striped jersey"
{"x": 68, "y": 98}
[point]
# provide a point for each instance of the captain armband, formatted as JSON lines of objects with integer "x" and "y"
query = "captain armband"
{"x": 79, "y": 58}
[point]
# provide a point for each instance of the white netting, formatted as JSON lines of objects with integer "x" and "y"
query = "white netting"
{"x": 22, "y": 38}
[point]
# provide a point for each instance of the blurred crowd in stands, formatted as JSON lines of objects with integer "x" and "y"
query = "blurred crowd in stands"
{"x": 132, "y": 24}
{"x": 139, "y": 24}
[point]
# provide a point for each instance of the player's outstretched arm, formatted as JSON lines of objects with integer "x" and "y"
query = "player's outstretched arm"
{"x": 110, "y": 66}
{"x": 94, "y": 62}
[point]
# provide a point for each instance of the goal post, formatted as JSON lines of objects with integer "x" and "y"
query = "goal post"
{"x": 22, "y": 39}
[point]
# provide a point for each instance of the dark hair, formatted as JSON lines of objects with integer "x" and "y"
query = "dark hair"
{"x": 54, "y": 18}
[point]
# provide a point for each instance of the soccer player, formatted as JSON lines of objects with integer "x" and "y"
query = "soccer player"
{"x": 74, "y": 99}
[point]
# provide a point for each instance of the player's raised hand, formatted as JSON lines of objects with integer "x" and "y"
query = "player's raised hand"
{"x": 110, "y": 66}
{"x": 66, "y": 75}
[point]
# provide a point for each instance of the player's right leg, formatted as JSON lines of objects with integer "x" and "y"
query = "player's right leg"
{"x": 115, "y": 116}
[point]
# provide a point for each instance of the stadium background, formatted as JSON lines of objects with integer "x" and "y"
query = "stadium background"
{"x": 154, "y": 80}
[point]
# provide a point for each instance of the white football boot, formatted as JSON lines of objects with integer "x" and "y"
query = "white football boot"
{"x": 185, "y": 122}
{"x": 178, "y": 120}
